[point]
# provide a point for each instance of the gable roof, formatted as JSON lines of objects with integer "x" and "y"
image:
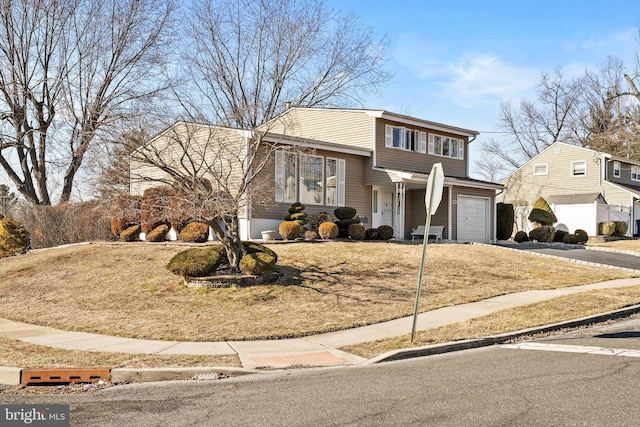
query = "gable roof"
{"x": 575, "y": 199}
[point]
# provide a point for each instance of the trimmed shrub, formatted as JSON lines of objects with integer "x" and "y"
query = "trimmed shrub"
{"x": 542, "y": 234}
{"x": 195, "y": 232}
{"x": 521, "y": 236}
{"x": 385, "y": 232}
{"x": 571, "y": 239}
{"x": 583, "y": 237}
{"x": 296, "y": 214}
{"x": 343, "y": 226}
{"x": 158, "y": 234}
{"x": 607, "y": 228}
{"x": 197, "y": 262}
{"x": 257, "y": 263}
{"x": 371, "y": 234}
{"x": 130, "y": 234}
{"x": 14, "y": 238}
{"x": 559, "y": 235}
{"x": 356, "y": 231}
{"x": 254, "y": 248}
{"x": 290, "y": 230}
{"x": 542, "y": 213}
{"x": 318, "y": 218}
{"x": 505, "y": 220}
{"x": 344, "y": 212}
{"x": 621, "y": 228}
{"x": 328, "y": 230}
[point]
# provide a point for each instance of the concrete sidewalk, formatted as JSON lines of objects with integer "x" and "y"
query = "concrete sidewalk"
{"x": 316, "y": 350}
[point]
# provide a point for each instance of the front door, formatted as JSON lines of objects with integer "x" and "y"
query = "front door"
{"x": 382, "y": 208}
{"x": 386, "y": 205}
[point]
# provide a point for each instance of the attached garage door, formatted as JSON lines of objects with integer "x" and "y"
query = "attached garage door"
{"x": 473, "y": 219}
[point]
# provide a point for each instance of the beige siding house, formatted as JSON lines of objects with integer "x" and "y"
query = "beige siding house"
{"x": 584, "y": 187}
{"x": 375, "y": 161}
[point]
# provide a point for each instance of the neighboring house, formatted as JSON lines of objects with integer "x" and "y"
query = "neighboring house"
{"x": 372, "y": 160}
{"x": 583, "y": 187}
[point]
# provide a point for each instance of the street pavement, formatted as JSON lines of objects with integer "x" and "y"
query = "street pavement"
{"x": 316, "y": 350}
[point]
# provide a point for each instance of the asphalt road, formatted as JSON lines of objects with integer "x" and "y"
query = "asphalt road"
{"x": 599, "y": 257}
{"x": 564, "y": 381}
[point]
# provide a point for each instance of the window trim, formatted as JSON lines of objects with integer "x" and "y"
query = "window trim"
{"x": 635, "y": 170}
{"x": 617, "y": 166}
{"x": 280, "y": 186}
{"x": 440, "y": 143}
{"x": 574, "y": 163}
{"x": 546, "y": 169}
{"x": 420, "y": 139}
{"x": 322, "y": 179}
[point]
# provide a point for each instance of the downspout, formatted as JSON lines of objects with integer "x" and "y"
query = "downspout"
{"x": 248, "y": 210}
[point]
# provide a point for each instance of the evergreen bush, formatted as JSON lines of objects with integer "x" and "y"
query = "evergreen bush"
{"x": 158, "y": 234}
{"x": 318, "y": 218}
{"x": 583, "y": 237}
{"x": 344, "y": 212}
{"x": 521, "y": 236}
{"x": 328, "y": 230}
{"x": 356, "y": 231}
{"x": 505, "y": 220}
{"x": 14, "y": 238}
{"x": 195, "y": 232}
{"x": 257, "y": 263}
{"x": 607, "y": 228}
{"x": 542, "y": 213}
{"x": 571, "y": 239}
{"x": 290, "y": 230}
{"x": 621, "y": 228}
{"x": 543, "y": 234}
{"x": 385, "y": 232}
{"x": 198, "y": 262}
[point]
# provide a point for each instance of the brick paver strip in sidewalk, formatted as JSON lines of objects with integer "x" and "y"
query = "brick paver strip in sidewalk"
{"x": 324, "y": 358}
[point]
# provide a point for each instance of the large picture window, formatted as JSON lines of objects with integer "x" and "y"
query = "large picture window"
{"x": 309, "y": 179}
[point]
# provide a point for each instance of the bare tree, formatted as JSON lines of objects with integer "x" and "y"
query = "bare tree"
{"x": 216, "y": 174}
{"x": 69, "y": 70}
{"x": 249, "y": 58}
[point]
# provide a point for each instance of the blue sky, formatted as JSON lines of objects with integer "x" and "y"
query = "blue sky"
{"x": 455, "y": 62}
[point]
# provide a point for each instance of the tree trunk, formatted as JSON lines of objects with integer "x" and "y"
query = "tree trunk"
{"x": 232, "y": 243}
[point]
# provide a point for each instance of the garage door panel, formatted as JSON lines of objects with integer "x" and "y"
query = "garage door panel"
{"x": 472, "y": 219}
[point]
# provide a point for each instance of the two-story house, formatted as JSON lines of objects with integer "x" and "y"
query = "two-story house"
{"x": 372, "y": 160}
{"x": 583, "y": 187}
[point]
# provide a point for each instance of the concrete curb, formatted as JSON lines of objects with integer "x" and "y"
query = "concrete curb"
{"x": 499, "y": 339}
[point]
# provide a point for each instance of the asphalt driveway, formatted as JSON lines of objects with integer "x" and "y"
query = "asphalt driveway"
{"x": 587, "y": 255}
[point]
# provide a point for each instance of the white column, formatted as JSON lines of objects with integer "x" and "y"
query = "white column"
{"x": 400, "y": 210}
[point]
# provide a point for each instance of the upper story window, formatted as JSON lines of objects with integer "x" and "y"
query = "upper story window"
{"x": 405, "y": 139}
{"x": 445, "y": 146}
{"x": 541, "y": 169}
{"x": 579, "y": 168}
{"x": 635, "y": 173}
{"x": 309, "y": 179}
{"x": 616, "y": 169}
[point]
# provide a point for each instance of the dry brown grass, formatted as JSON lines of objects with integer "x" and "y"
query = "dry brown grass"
{"x": 125, "y": 290}
{"x": 547, "y": 312}
{"x": 29, "y": 356}
{"x": 624, "y": 245}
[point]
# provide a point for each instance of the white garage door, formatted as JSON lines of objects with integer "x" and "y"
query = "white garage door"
{"x": 473, "y": 219}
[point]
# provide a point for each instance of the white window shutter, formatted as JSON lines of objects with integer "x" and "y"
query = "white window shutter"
{"x": 423, "y": 142}
{"x": 279, "y": 176}
{"x": 388, "y": 136}
{"x": 341, "y": 172}
{"x": 461, "y": 149}
{"x": 432, "y": 149}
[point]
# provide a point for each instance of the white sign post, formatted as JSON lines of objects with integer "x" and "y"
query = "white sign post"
{"x": 432, "y": 199}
